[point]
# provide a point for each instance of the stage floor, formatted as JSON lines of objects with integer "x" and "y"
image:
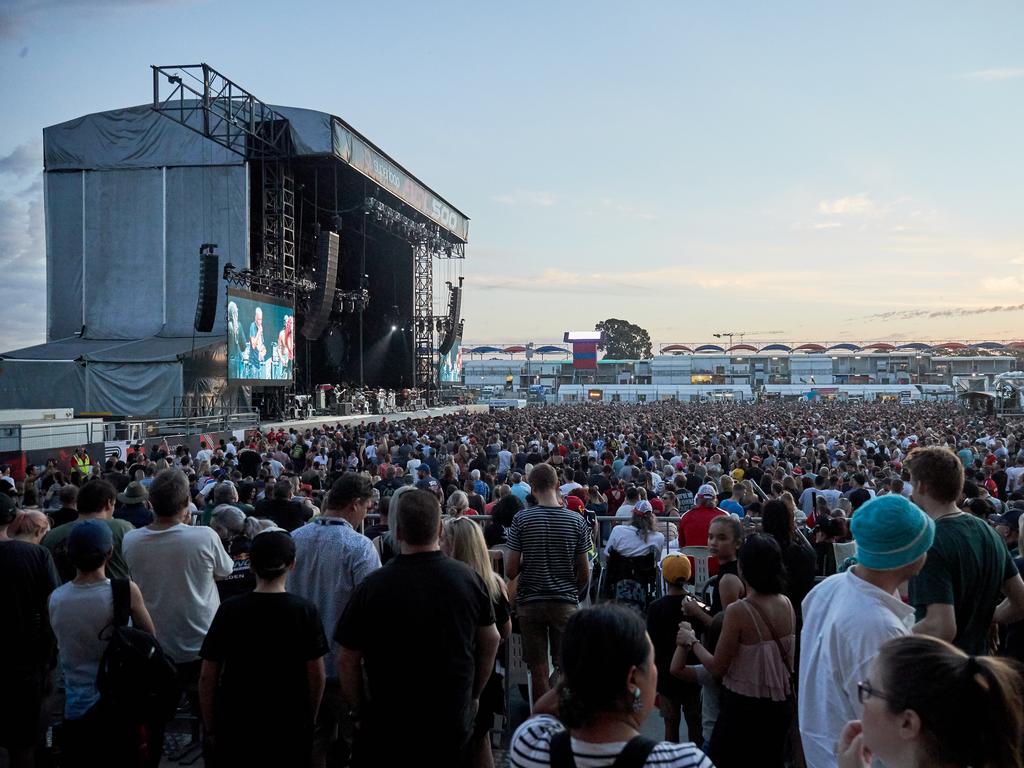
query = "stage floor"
{"x": 371, "y": 418}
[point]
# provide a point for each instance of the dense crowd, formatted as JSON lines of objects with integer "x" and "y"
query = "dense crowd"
{"x": 326, "y": 597}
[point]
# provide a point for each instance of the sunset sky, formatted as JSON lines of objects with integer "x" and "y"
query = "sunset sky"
{"x": 791, "y": 171}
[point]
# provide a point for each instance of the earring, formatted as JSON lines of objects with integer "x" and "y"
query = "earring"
{"x": 637, "y": 704}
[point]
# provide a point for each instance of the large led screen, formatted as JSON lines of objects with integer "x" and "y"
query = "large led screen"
{"x": 451, "y": 364}
{"x": 261, "y": 338}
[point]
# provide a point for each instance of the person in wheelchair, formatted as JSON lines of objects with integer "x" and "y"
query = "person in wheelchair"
{"x": 638, "y": 537}
{"x": 633, "y": 552}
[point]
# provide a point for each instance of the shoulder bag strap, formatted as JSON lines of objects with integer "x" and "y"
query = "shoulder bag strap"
{"x": 122, "y": 602}
{"x": 561, "y": 751}
{"x": 635, "y": 753}
{"x": 747, "y": 604}
{"x": 775, "y": 635}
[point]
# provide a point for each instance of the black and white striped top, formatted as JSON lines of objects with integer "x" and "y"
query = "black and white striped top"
{"x": 531, "y": 748}
{"x": 549, "y": 540}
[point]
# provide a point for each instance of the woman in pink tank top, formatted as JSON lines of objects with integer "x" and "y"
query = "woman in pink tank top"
{"x": 754, "y": 657}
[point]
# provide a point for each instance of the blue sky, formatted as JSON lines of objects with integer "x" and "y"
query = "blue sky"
{"x": 804, "y": 171}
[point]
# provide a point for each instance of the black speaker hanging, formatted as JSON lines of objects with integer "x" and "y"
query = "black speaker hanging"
{"x": 327, "y": 254}
{"x": 206, "y": 302}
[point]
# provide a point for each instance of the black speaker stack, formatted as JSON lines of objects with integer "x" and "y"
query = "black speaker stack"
{"x": 322, "y": 301}
{"x": 453, "y": 325}
{"x": 209, "y": 279}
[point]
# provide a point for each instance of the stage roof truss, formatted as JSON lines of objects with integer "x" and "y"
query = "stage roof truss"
{"x": 203, "y": 100}
{"x": 416, "y": 233}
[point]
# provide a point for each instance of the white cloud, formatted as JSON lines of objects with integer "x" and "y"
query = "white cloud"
{"x": 527, "y": 198}
{"x": 997, "y": 73}
{"x": 851, "y": 205}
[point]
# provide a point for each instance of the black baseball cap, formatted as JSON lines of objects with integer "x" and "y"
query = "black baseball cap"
{"x": 8, "y": 509}
{"x": 1010, "y": 518}
{"x": 272, "y": 553}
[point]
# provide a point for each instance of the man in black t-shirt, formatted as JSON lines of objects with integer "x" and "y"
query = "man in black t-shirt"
{"x": 282, "y": 508}
{"x": 68, "y": 497}
{"x": 281, "y": 677}
{"x": 423, "y": 631}
{"x": 26, "y": 642}
{"x": 858, "y": 494}
{"x": 248, "y": 463}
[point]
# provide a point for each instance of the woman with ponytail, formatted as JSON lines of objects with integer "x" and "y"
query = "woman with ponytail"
{"x": 927, "y": 703}
{"x": 606, "y": 692}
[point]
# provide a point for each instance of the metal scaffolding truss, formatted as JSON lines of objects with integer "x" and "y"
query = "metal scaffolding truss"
{"x": 200, "y": 98}
{"x": 278, "y": 253}
{"x": 423, "y": 320}
{"x": 203, "y": 100}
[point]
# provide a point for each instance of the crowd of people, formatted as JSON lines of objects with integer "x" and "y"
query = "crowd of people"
{"x": 327, "y": 597}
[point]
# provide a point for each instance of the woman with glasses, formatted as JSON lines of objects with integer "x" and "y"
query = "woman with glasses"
{"x": 927, "y": 703}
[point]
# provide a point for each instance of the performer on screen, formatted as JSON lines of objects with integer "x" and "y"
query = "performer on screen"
{"x": 286, "y": 342}
{"x": 237, "y": 348}
{"x": 257, "y": 348}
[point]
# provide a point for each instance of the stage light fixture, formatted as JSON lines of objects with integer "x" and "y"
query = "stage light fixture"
{"x": 394, "y": 328}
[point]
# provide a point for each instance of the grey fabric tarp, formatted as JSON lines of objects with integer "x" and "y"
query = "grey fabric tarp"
{"x": 134, "y": 137}
{"x": 140, "y": 137}
{"x": 310, "y": 131}
{"x": 139, "y": 377}
{"x": 37, "y": 383}
{"x": 123, "y": 247}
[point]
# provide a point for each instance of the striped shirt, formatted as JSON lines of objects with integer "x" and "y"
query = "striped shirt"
{"x": 531, "y": 748}
{"x": 549, "y": 539}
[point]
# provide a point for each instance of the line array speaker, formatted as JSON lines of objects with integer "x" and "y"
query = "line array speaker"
{"x": 206, "y": 303}
{"x": 322, "y": 301}
{"x": 452, "y": 326}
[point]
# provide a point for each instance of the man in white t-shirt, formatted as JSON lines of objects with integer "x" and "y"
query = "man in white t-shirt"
{"x": 1014, "y": 475}
{"x": 175, "y": 565}
{"x": 504, "y": 462}
{"x": 204, "y": 453}
{"x": 632, "y": 498}
{"x": 850, "y": 615}
{"x": 412, "y": 465}
{"x": 276, "y": 467}
{"x": 569, "y": 485}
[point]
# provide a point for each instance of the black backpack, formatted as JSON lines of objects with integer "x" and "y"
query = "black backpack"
{"x": 633, "y": 755}
{"x": 136, "y": 681}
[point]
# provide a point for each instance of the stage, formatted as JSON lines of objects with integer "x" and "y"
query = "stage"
{"x": 372, "y": 418}
{"x": 286, "y": 220}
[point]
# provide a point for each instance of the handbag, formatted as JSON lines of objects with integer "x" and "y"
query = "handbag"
{"x": 796, "y": 745}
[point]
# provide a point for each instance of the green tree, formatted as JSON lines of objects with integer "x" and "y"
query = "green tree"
{"x": 624, "y": 341}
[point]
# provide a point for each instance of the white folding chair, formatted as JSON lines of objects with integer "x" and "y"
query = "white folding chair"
{"x": 701, "y": 573}
{"x": 517, "y": 672}
{"x": 843, "y": 551}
